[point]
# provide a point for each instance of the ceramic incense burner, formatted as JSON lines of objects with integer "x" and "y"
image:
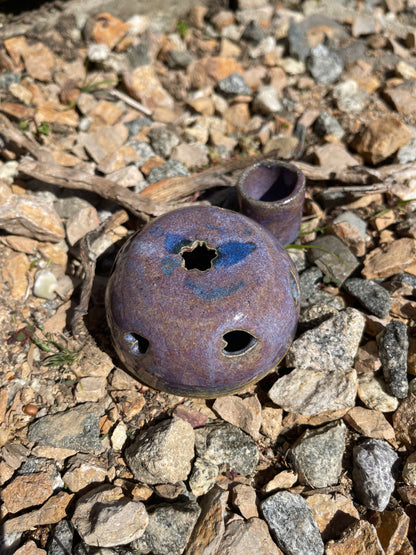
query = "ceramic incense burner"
{"x": 202, "y": 302}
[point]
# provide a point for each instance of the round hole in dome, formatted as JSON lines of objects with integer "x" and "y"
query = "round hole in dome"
{"x": 238, "y": 342}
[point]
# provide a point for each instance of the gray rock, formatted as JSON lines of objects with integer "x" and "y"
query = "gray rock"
{"x": 163, "y": 140}
{"x": 248, "y": 536}
{"x": 253, "y": 33}
{"x": 354, "y": 221}
{"x": 267, "y": 101}
{"x": 353, "y": 51}
{"x": 407, "y": 226}
{"x": 171, "y": 168}
{"x": 393, "y": 347}
{"x": 203, "y": 476}
{"x": 179, "y": 59}
{"x": 98, "y": 52}
{"x": 326, "y": 124}
{"x": 331, "y": 346}
{"x": 163, "y": 452}
{"x": 333, "y": 257}
{"x": 139, "y": 55}
{"x": 169, "y": 528}
{"x": 325, "y": 65}
{"x": 8, "y": 78}
{"x": 104, "y": 517}
{"x": 407, "y": 153}
{"x": 224, "y": 444}
{"x": 234, "y": 84}
{"x": 62, "y": 539}
{"x": 310, "y": 293}
{"x": 310, "y": 392}
{"x": 317, "y": 455}
{"x": 144, "y": 151}
{"x": 292, "y": 524}
{"x": 314, "y": 315}
{"x": 77, "y": 428}
{"x": 374, "y": 473}
{"x": 298, "y": 41}
{"x": 370, "y": 294}
{"x": 135, "y": 125}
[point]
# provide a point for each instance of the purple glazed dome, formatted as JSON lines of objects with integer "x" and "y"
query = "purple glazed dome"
{"x": 202, "y": 302}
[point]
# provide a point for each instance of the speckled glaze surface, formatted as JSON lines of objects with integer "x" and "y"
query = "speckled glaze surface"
{"x": 272, "y": 193}
{"x": 202, "y": 332}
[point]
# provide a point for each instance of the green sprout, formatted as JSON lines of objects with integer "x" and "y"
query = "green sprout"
{"x": 182, "y": 28}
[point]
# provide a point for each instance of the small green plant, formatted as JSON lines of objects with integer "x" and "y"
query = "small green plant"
{"x": 182, "y": 28}
{"x": 44, "y": 128}
{"x": 24, "y": 125}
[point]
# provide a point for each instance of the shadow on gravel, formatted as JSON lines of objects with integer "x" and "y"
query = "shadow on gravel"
{"x": 15, "y": 8}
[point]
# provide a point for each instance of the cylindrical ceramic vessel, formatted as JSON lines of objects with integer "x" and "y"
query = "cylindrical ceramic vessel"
{"x": 272, "y": 193}
{"x": 202, "y": 302}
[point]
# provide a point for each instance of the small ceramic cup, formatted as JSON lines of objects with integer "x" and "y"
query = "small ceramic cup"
{"x": 272, "y": 193}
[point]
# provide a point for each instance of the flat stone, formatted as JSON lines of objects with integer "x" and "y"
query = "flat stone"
{"x": 224, "y": 444}
{"x": 403, "y": 97}
{"x": 271, "y": 422}
{"x": 382, "y": 138}
{"x": 171, "y": 168}
{"x": 331, "y": 346}
{"x": 326, "y": 124}
{"x": 333, "y": 257}
{"x": 108, "y": 29}
{"x": 81, "y": 223}
{"x": 210, "y": 70}
{"x": 359, "y": 537}
{"x": 76, "y": 428}
{"x": 286, "y": 513}
{"x": 325, "y": 65}
{"x": 128, "y": 176}
{"x": 365, "y": 25}
{"x": 54, "y": 112}
{"x": 143, "y": 84}
{"x": 374, "y": 473}
{"x": 310, "y": 392}
{"x": 14, "y": 273}
{"x": 203, "y": 476}
{"x": 163, "y": 140}
{"x": 393, "y": 258}
{"x": 404, "y": 421}
{"x": 393, "y": 349}
{"x": 163, "y": 452}
{"x": 191, "y": 155}
{"x": 251, "y": 536}
{"x": 31, "y": 216}
{"x": 28, "y": 490}
{"x": 117, "y": 520}
{"x": 54, "y": 510}
{"x": 267, "y": 100}
{"x": 372, "y": 391}
{"x": 39, "y": 61}
{"x": 333, "y": 513}
{"x": 83, "y": 470}
{"x": 317, "y": 455}
{"x": 105, "y": 141}
{"x": 334, "y": 156}
{"x": 244, "y": 499}
{"x": 209, "y": 530}
{"x": 283, "y": 480}
{"x": 370, "y": 423}
{"x": 244, "y": 413}
{"x": 351, "y": 229}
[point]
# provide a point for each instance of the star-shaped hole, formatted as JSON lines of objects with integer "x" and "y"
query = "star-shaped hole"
{"x": 198, "y": 256}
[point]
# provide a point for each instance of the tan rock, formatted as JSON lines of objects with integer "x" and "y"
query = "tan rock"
{"x": 333, "y": 513}
{"x": 210, "y": 70}
{"x": 30, "y": 548}
{"x": 27, "y": 490}
{"x": 403, "y": 97}
{"x": 105, "y": 141}
{"x": 129, "y": 176}
{"x": 223, "y": 18}
{"x": 51, "y": 512}
{"x": 237, "y": 116}
{"x": 209, "y": 529}
{"x": 58, "y": 454}
{"x": 251, "y": 536}
{"x": 91, "y": 388}
{"x": 21, "y": 93}
{"x": 390, "y": 259}
{"x": 271, "y": 422}
{"x": 244, "y": 499}
{"x": 83, "y": 470}
{"x": 52, "y": 112}
{"x": 244, "y": 413}
{"x": 39, "y": 61}
{"x": 6, "y": 472}
{"x": 85, "y": 220}
{"x": 18, "y": 111}
{"x": 108, "y": 29}
{"x": 404, "y": 421}
{"x": 351, "y": 236}
{"x": 366, "y": 359}
{"x": 360, "y": 538}
{"x": 197, "y": 15}
{"x": 392, "y": 527}
{"x": 229, "y": 49}
{"x": 15, "y": 272}
{"x": 334, "y": 156}
{"x": 283, "y": 480}
{"x": 106, "y": 113}
{"x": 411, "y": 356}
{"x": 15, "y": 47}
{"x": 382, "y": 138}
{"x": 203, "y": 105}
{"x": 372, "y": 391}
{"x": 32, "y": 217}
{"x": 126, "y": 154}
{"x": 143, "y": 84}
{"x": 370, "y": 423}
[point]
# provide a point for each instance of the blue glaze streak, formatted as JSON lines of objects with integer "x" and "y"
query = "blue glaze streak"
{"x": 169, "y": 264}
{"x": 174, "y": 242}
{"x": 208, "y": 294}
{"x": 232, "y": 252}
